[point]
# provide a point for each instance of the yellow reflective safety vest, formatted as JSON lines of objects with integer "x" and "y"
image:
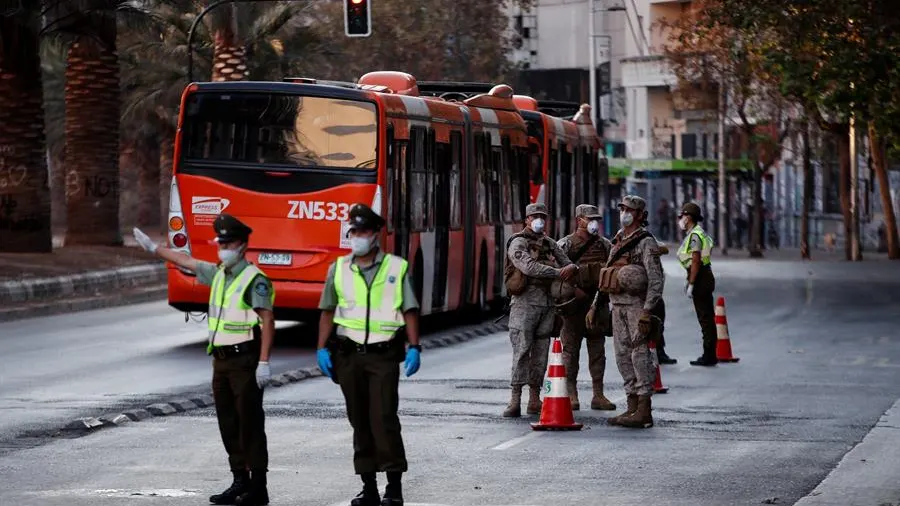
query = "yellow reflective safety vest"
{"x": 369, "y": 314}
{"x": 684, "y": 252}
{"x": 231, "y": 320}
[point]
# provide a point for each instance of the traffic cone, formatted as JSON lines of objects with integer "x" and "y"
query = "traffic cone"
{"x": 657, "y": 385}
{"x": 556, "y": 413}
{"x": 723, "y": 343}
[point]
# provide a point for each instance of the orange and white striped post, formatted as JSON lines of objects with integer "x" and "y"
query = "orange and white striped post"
{"x": 723, "y": 341}
{"x": 556, "y": 413}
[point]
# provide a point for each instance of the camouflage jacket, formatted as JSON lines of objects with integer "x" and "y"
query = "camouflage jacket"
{"x": 540, "y": 259}
{"x": 591, "y": 261}
{"x": 645, "y": 254}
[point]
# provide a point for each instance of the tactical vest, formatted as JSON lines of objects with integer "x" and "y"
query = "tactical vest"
{"x": 684, "y": 252}
{"x": 609, "y": 275}
{"x": 369, "y": 314}
{"x": 589, "y": 263}
{"x": 541, "y": 250}
{"x": 230, "y": 319}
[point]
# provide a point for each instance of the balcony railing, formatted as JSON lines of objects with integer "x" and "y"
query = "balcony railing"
{"x": 646, "y": 71}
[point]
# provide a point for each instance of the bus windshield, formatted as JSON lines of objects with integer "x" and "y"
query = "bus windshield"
{"x": 254, "y": 128}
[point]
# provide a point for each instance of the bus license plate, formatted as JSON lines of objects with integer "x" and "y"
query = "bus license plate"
{"x": 275, "y": 258}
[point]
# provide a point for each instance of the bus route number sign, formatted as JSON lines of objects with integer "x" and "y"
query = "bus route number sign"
{"x": 318, "y": 210}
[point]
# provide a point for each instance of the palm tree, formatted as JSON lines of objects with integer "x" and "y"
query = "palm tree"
{"x": 24, "y": 189}
{"x": 275, "y": 35}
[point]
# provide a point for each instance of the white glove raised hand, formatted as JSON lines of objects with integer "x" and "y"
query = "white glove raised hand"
{"x": 263, "y": 373}
{"x": 144, "y": 240}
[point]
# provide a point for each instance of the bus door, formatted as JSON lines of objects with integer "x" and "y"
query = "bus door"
{"x": 442, "y": 156}
{"x": 400, "y": 197}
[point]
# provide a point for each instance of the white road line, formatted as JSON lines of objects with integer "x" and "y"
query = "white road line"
{"x": 515, "y": 441}
{"x": 345, "y": 503}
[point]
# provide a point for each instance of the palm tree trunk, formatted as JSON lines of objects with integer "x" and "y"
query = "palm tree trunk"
{"x": 884, "y": 186}
{"x": 147, "y": 159}
{"x": 229, "y": 55}
{"x": 24, "y": 181}
{"x": 92, "y": 140}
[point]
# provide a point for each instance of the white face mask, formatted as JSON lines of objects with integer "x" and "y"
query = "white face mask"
{"x": 537, "y": 225}
{"x": 683, "y": 223}
{"x": 626, "y": 218}
{"x": 593, "y": 227}
{"x": 229, "y": 257}
{"x": 361, "y": 245}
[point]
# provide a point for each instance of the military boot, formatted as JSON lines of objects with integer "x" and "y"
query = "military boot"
{"x": 572, "y": 387}
{"x": 664, "y": 358}
{"x": 534, "y": 400}
{"x": 599, "y": 401}
{"x": 640, "y": 419}
{"x": 514, "y": 409}
{"x": 369, "y": 495}
{"x": 632, "y": 407}
{"x": 257, "y": 494}
{"x": 240, "y": 485}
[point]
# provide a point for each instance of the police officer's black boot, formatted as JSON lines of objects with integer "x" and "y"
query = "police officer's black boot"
{"x": 240, "y": 485}
{"x": 369, "y": 495}
{"x": 708, "y": 359}
{"x": 393, "y": 493}
{"x": 663, "y": 357}
{"x": 257, "y": 494}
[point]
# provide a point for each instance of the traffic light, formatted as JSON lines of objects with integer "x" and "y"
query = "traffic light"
{"x": 357, "y": 18}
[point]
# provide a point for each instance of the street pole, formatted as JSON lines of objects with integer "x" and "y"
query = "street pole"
{"x": 723, "y": 181}
{"x": 855, "y": 253}
{"x": 592, "y": 64}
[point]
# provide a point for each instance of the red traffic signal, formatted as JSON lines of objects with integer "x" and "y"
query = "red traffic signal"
{"x": 357, "y": 18}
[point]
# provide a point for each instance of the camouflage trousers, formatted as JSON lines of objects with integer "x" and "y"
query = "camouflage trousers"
{"x": 574, "y": 331}
{"x": 633, "y": 356}
{"x": 529, "y": 331}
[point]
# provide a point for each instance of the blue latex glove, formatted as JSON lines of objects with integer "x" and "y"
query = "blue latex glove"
{"x": 324, "y": 359}
{"x": 412, "y": 361}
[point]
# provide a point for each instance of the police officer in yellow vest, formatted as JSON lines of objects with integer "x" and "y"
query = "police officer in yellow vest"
{"x": 241, "y": 331}
{"x": 694, "y": 255}
{"x": 367, "y": 299}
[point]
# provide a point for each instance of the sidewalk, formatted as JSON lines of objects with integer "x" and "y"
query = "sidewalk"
{"x": 74, "y": 278}
{"x": 869, "y": 474}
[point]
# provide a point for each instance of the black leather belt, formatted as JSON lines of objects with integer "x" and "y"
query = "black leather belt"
{"x": 234, "y": 350}
{"x": 348, "y": 345}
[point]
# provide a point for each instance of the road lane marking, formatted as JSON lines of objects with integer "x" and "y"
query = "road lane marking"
{"x": 515, "y": 441}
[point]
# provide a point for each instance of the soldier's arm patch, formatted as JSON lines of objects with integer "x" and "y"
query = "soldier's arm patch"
{"x": 262, "y": 289}
{"x": 519, "y": 255}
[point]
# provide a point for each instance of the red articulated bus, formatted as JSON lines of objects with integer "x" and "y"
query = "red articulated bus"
{"x": 290, "y": 158}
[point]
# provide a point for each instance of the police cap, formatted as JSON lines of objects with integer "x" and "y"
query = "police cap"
{"x": 532, "y": 209}
{"x": 230, "y": 229}
{"x": 693, "y": 210}
{"x": 362, "y": 217}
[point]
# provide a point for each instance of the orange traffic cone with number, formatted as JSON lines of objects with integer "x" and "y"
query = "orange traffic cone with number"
{"x": 556, "y": 413}
{"x": 723, "y": 343}
{"x": 657, "y": 385}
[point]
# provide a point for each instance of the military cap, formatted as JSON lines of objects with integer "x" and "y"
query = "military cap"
{"x": 693, "y": 210}
{"x": 362, "y": 217}
{"x": 229, "y": 229}
{"x": 538, "y": 208}
{"x": 633, "y": 202}
{"x": 588, "y": 211}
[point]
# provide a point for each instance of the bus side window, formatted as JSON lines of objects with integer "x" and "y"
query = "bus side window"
{"x": 455, "y": 186}
{"x": 443, "y": 192}
{"x": 418, "y": 180}
{"x": 534, "y": 164}
{"x": 554, "y": 175}
{"x": 506, "y": 190}
{"x": 401, "y": 200}
{"x": 480, "y": 178}
{"x": 430, "y": 180}
{"x": 389, "y": 177}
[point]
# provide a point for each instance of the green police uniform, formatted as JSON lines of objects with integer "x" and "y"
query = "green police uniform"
{"x": 697, "y": 240}
{"x": 234, "y": 343}
{"x": 368, "y": 304}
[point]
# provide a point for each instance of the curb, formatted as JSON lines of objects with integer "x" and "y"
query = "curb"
{"x": 84, "y": 284}
{"x": 86, "y": 425}
{"x": 152, "y": 293}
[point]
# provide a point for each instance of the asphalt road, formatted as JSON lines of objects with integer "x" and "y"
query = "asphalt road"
{"x": 820, "y": 363}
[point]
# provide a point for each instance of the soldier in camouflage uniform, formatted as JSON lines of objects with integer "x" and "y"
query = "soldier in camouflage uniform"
{"x": 634, "y": 280}
{"x": 589, "y": 250}
{"x": 533, "y": 263}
